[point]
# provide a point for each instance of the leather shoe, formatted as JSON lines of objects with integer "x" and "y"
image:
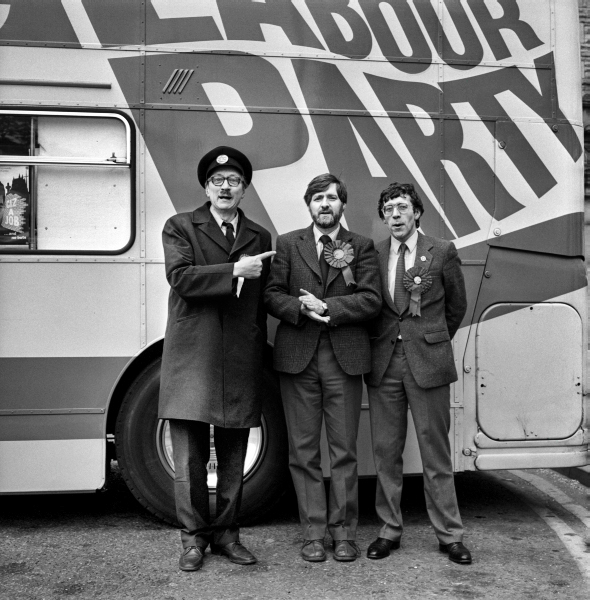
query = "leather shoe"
{"x": 236, "y": 553}
{"x": 380, "y": 548}
{"x": 313, "y": 551}
{"x": 191, "y": 559}
{"x": 346, "y": 550}
{"x": 457, "y": 552}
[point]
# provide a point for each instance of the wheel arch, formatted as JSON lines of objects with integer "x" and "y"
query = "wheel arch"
{"x": 129, "y": 374}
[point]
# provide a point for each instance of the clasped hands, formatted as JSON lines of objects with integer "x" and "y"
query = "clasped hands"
{"x": 312, "y": 307}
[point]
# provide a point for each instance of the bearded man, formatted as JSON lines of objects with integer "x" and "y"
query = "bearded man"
{"x": 324, "y": 286}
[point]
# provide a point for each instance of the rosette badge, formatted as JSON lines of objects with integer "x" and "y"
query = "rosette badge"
{"x": 339, "y": 254}
{"x": 417, "y": 281}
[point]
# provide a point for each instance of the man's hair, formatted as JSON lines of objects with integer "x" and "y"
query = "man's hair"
{"x": 322, "y": 183}
{"x": 395, "y": 190}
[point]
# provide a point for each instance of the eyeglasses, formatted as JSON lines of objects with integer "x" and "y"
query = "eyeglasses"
{"x": 232, "y": 180}
{"x": 402, "y": 207}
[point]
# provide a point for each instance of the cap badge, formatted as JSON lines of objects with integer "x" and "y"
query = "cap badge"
{"x": 222, "y": 159}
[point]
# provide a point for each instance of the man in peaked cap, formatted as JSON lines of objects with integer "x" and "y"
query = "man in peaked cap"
{"x": 217, "y": 261}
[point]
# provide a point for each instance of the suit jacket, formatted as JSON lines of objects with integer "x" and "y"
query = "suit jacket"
{"x": 427, "y": 338}
{"x": 296, "y": 266}
{"x": 214, "y": 345}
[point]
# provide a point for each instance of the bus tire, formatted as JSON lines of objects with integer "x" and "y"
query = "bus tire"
{"x": 149, "y": 476}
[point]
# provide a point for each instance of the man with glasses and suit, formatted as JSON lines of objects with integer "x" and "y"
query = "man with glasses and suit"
{"x": 324, "y": 287}
{"x": 217, "y": 261}
{"x": 424, "y": 302}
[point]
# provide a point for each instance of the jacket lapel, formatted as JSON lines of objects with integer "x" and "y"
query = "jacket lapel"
{"x": 383, "y": 249}
{"x": 307, "y": 249}
{"x": 345, "y": 236}
{"x": 422, "y": 251}
{"x": 205, "y": 221}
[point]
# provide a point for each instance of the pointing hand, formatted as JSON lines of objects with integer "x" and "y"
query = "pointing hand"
{"x": 250, "y": 267}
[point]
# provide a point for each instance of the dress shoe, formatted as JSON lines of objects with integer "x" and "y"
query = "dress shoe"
{"x": 235, "y": 552}
{"x": 191, "y": 559}
{"x": 346, "y": 550}
{"x": 457, "y": 552}
{"x": 313, "y": 551}
{"x": 380, "y": 548}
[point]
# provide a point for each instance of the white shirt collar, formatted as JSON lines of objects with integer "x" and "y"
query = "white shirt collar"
{"x": 410, "y": 243}
{"x": 317, "y": 234}
{"x": 220, "y": 221}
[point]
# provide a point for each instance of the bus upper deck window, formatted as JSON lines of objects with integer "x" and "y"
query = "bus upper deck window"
{"x": 65, "y": 182}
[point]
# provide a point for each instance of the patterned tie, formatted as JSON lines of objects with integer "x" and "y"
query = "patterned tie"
{"x": 400, "y": 294}
{"x": 324, "y": 266}
{"x": 229, "y": 233}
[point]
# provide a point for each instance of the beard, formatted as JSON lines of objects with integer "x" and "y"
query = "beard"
{"x": 326, "y": 220}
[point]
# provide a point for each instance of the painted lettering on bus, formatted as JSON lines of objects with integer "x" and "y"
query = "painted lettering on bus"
{"x": 345, "y": 31}
{"x": 348, "y": 139}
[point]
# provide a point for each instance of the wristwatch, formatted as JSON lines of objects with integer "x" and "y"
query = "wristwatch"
{"x": 325, "y": 307}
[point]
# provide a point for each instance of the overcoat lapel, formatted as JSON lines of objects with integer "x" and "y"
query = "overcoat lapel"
{"x": 345, "y": 236}
{"x": 245, "y": 234}
{"x": 307, "y": 248}
{"x": 205, "y": 221}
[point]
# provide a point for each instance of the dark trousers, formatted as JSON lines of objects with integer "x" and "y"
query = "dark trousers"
{"x": 389, "y": 421}
{"x": 324, "y": 391}
{"x": 191, "y": 450}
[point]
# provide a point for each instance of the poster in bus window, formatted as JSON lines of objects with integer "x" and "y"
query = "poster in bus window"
{"x": 14, "y": 206}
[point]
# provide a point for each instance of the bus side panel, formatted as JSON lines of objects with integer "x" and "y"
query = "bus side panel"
{"x": 68, "y": 330}
{"x": 64, "y": 465}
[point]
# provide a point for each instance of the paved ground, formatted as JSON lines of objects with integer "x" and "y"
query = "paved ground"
{"x": 107, "y": 546}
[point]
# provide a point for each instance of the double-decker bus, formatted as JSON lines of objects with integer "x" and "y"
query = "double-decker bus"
{"x": 106, "y": 107}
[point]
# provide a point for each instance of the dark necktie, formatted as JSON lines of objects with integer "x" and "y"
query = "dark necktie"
{"x": 399, "y": 291}
{"x": 229, "y": 233}
{"x": 324, "y": 266}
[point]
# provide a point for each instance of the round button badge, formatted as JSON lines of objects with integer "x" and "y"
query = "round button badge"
{"x": 222, "y": 159}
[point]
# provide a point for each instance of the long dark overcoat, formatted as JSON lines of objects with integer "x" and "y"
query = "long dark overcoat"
{"x": 214, "y": 343}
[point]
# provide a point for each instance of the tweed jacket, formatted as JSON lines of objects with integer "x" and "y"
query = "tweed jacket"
{"x": 427, "y": 338}
{"x": 296, "y": 266}
{"x": 215, "y": 341}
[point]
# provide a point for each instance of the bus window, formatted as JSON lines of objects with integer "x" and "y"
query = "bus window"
{"x": 65, "y": 182}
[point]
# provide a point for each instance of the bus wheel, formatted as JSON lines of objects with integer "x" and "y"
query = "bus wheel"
{"x": 144, "y": 451}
